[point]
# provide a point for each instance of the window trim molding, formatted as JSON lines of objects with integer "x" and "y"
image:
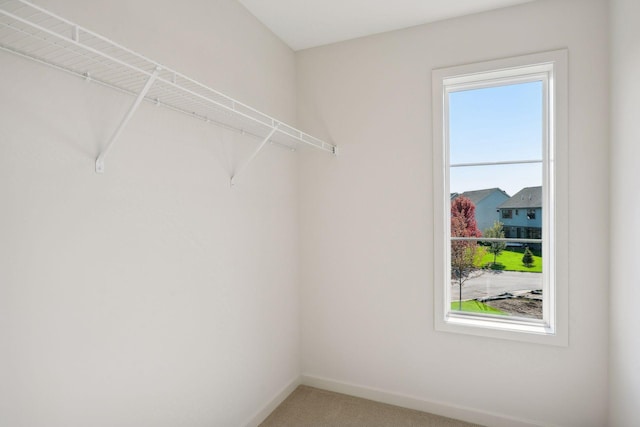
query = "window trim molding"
{"x": 554, "y": 65}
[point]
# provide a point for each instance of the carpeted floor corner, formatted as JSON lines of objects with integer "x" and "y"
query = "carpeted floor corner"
{"x": 312, "y": 407}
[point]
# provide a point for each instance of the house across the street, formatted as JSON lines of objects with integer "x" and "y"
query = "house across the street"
{"x": 486, "y": 202}
{"x": 522, "y": 214}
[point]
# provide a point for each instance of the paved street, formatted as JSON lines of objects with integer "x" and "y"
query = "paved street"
{"x": 497, "y": 282}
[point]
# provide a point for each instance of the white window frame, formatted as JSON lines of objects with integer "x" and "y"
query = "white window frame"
{"x": 552, "y": 69}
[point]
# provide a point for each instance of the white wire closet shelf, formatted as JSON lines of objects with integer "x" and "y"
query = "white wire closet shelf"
{"x": 30, "y": 31}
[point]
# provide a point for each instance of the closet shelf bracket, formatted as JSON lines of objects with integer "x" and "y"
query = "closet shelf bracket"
{"x": 125, "y": 120}
{"x": 241, "y": 169}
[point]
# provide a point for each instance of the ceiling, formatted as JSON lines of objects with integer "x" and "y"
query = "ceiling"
{"x": 308, "y": 23}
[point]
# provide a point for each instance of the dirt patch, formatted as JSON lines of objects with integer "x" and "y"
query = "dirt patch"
{"x": 528, "y": 305}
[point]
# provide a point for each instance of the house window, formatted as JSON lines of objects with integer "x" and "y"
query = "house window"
{"x": 534, "y": 233}
{"x": 501, "y": 124}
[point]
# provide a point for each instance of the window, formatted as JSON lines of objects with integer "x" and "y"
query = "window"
{"x": 534, "y": 233}
{"x": 502, "y": 124}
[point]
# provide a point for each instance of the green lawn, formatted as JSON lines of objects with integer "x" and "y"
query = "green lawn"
{"x": 475, "y": 307}
{"x": 512, "y": 261}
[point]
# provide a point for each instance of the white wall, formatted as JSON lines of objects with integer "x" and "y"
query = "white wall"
{"x": 152, "y": 295}
{"x": 625, "y": 210}
{"x": 367, "y": 217}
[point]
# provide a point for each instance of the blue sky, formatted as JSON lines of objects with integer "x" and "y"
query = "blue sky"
{"x": 491, "y": 125}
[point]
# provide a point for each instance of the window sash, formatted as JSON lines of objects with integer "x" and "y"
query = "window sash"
{"x": 494, "y": 239}
{"x": 504, "y": 162}
{"x": 492, "y": 79}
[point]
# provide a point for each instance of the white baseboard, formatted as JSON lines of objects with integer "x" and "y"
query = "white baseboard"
{"x": 267, "y": 409}
{"x": 470, "y": 415}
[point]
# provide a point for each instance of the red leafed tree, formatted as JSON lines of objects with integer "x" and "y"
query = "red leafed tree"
{"x": 463, "y": 213}
{"x": 465, "y": 254}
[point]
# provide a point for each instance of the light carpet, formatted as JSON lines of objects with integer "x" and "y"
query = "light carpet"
{"x": 312, "y": 407}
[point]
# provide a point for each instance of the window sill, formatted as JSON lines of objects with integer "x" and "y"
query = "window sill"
{"x": 510, "y": 329}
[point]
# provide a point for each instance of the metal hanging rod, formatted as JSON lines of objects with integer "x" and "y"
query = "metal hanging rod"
{"x": 30, "y": 31}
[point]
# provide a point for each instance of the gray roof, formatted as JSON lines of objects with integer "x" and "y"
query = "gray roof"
{"x": 528, "y": 197}
{"x": 477, "y": 195}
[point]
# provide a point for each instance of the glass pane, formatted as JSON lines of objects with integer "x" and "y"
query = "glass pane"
{"x": 496, "y": 201}
{"x": 508, "y": 287}
{"x": 496, "y": 123}
{"x": 509, "y": 178}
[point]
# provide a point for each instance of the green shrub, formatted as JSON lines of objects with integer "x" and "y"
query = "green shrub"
{"x": 527, "y": 258}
